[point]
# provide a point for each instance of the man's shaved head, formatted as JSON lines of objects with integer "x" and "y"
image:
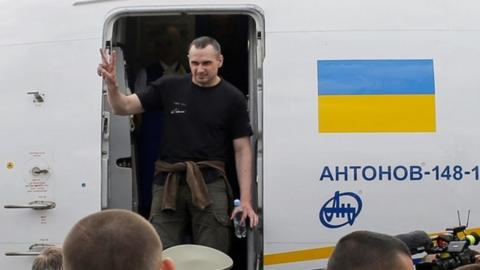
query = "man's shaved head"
{"x": 112, "y": 239}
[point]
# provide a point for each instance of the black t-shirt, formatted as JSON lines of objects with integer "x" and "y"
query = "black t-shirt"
{"x": 200, "y": 122}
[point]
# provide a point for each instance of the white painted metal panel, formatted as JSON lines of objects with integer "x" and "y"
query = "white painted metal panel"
{"x": 295, "y": 152}
{"x": 52, "y": 47}
{"x": 10, "y": 261}
{"x": 60, "y": 137}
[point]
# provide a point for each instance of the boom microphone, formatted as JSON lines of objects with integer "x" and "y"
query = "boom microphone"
{"x": 416, "y": 241}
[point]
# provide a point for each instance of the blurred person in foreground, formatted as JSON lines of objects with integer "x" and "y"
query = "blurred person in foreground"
{"x": 49, "y": 259}
{"x": 114, "y": 240}
{"x": 365, "y": 250}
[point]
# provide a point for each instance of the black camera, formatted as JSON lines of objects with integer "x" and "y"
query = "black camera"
{"x": 447, "y": 251}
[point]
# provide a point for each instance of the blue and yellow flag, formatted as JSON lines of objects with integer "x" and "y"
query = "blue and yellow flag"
{"x": 376, "y": 96}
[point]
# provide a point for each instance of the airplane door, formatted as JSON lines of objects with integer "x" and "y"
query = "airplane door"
{"x": 50, "y": 147}
{"x": 117, "y": 175}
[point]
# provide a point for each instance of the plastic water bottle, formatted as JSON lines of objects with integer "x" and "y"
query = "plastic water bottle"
{"x": 240, "y": 228}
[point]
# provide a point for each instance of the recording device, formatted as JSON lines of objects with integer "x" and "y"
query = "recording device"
{"x": 449, "y": 250}
{"x": 416, "y": 241}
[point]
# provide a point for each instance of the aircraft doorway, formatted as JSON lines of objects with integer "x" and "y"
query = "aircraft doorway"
{"x": 142, "y": 38}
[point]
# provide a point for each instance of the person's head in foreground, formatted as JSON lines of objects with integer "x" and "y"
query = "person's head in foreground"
{"x": 49, "y": 259}
{"x": 114, "y": 240}
{"x": 365, "y": 250}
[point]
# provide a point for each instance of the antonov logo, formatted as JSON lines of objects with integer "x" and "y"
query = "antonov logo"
{"x": 340, "y": 210}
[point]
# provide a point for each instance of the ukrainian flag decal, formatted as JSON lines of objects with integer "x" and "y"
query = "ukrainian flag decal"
{"x": 376, "y": 96}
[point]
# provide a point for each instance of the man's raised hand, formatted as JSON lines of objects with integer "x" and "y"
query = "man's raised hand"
{"x": 106, "y": 68}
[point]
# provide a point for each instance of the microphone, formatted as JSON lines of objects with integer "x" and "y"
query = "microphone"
{"x": 416, "y": 241}
{"x": 472, "y": 239}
